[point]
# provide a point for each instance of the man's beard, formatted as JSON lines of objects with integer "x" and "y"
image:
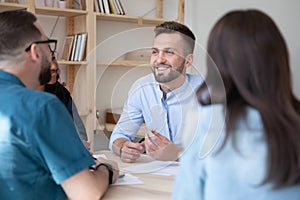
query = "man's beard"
{"x": 172, "y": 75}
{"x": 45, "y": 74}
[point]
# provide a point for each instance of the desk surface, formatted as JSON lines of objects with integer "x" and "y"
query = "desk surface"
{"x": 154, "y": 187}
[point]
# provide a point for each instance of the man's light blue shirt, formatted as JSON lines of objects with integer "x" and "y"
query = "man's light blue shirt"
{"x": 146, "y": 103}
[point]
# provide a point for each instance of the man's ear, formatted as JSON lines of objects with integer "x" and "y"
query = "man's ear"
{"x": 189, "y": 60}
{"x": 34, "y": 52}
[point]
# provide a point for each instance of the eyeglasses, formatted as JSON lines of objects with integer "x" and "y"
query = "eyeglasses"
{"x": 51, "y": 44}
{"x": 55, "y": 71}
{"x": 53, "y": 55}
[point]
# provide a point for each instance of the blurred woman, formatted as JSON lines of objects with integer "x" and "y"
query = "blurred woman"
{"x": 58, "y": 89}
{"x": 248, "y": 140}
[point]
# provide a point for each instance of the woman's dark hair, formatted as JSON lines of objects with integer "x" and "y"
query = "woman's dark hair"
{"x": 251, "y": 56}
{"x": 59, "y": 90}
{"x": 175, "y": 27}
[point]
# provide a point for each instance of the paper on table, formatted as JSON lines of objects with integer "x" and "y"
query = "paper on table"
{"x": 128, "y": 179}
{"x": 100, "y": 156}
{"x": 166, "y": 168}
{"x": 170, "y": 170}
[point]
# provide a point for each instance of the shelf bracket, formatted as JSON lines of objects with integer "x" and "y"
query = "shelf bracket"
{"x": 159, "y": 9}
{"x": 181, "y": 11}
{"x": 140, "y": 21}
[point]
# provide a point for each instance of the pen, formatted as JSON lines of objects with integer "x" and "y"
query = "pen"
{"x": 121, "y": 175}
{"x": 151, "y": 140}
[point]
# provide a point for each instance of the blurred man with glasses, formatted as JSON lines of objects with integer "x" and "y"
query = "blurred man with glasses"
{"x": 42, "y": 156}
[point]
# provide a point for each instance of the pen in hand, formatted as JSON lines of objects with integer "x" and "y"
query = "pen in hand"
{"x": 151, "y": 140}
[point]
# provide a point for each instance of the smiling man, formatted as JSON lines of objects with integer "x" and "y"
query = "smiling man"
{"x": 161, "y": 99}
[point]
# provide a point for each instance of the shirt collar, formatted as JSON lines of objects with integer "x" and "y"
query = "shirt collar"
{"x": 10, "y": 78}
{"x": 179, "y": 92}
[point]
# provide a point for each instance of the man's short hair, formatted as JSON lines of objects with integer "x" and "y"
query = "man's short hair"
{"x": 176, "y": 27}
{"x": 17, "y": 31}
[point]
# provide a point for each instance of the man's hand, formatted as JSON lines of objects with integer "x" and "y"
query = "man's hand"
{"x": 131, "y": 151}
{"x": 128, "y": 151}
{"x": 160, "y": 147}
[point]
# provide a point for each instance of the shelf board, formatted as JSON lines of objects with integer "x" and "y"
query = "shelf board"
{"x": 154, "y": 21}
{"x": 125, "y": 63}
{"x": 64, "y": 12}
{"x": 130, "y": 19}
{"x": 11, "y": 6}
{"x": 64, "y": 62}
{"x": 112, "y": 17}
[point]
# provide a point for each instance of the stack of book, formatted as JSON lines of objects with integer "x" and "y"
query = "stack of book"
{"x": 109, "y": 7}
{"x": 74, "y": 47}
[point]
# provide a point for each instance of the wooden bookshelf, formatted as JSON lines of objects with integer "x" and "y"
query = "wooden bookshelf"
{"x": 124, "y": 63}
{"x": 11, "y": 6}
{"x": 130, "y": 19}
{"x": 65, "y": 12}
{"x": 155, "y": 21}
{"x": 64, "y": 62}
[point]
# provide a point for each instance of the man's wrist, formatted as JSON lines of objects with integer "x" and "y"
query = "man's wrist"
{"x": 118, "y": 145}
{"x": 109, "y": 167}
{"x": 110, "y": 171}
{"x": 121, "y": 148}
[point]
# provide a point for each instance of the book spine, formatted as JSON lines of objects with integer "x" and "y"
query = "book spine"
{"x": 101, "y": 6}
{"x": 74, "y": 48}
{"x": 83, "y": 4}
{"x": 121, "y": 7}
{"x": 118, "y": 7}
{"x": 96, "y": 6}
{"x": 106, "y": 6}
{"x": 82, "y": 46}
{"x": 78, "y": 43}
{"x": 112, "y": 7}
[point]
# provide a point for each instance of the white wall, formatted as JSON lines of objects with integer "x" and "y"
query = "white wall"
{"x": 201, "y": 15}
